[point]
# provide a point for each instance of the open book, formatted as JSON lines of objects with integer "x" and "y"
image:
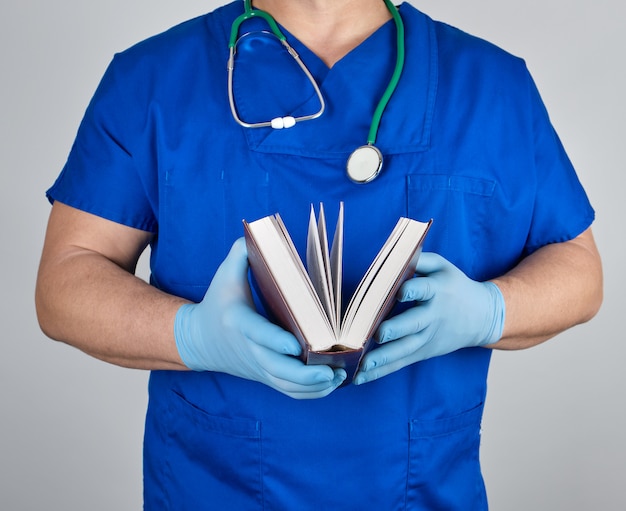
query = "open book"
{"x": 307, "y": 301}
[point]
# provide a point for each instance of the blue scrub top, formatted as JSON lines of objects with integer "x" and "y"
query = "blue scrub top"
{"x": 467, "y": 142}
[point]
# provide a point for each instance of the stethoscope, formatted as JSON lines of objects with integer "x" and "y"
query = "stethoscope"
{"x": 366, "y": 161}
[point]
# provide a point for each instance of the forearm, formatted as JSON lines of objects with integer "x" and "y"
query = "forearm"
{"x": 555, "y": 288}
{"x": 88, "y": 296}
{"x": 89, "y": 302}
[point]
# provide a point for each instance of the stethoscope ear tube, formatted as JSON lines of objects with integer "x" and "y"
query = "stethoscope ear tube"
{"x": 365, "y": 162}
{"x": 278, "y": 122}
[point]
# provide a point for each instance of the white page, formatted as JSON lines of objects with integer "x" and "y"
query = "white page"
{"x": 318, "y": 266}
{"x": 385, "y": 273}
{"x": 369, "y": 276}
{"x": 323, "y": 236}
{"x": 336, "y": 264}
{"x": 292, "y": 280}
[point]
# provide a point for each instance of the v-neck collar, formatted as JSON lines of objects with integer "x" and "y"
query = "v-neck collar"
{"x": 352, "y": 88}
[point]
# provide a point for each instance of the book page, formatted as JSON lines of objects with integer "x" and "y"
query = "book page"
{"x": 376, "y": 295}
{"x": 336, "y": 264}
{"x": 285, "y": 238}
{"x": 323, "y": 237}
{"x": 318, "y": 265}
{"x": 285, "y": 283}
{"x": 369, "y": 276}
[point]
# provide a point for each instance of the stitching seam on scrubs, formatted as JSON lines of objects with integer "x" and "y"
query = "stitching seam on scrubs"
{"x": 167, "y": 468}
{"x": 420, "y": 428}
{"x": 408, "y": 467}
{"x": 259, "y": 425}
{"x": 433, "y": 86}
{"x": 454, "y": 183}
{"x": 585, "y": 223}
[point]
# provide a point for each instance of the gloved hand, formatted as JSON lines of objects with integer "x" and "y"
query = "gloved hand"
{"x": 225, "y": 333}
{"x": 452, "y": 312}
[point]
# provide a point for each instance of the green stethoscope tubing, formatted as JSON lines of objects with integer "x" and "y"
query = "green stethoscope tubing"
{"x": 283, "y": 122}
{"x": 395, "y": 77}
{"x": 249, "y": 13}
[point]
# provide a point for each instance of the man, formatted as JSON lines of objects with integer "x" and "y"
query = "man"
{"x": 159, "y": 160}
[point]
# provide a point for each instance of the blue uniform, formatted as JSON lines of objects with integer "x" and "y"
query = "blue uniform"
{"x": 466, "y": 141}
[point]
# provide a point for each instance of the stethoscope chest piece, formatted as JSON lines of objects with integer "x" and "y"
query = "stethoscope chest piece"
{"x": 364, "y": 164}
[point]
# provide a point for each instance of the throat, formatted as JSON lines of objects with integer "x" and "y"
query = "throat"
{"x": 330, "y": 31}
{"x": 332, "y": 51}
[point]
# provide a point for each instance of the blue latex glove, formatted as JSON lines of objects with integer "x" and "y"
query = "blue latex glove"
{"x": 452, "y": 312}
{"x": 225, "y": 333}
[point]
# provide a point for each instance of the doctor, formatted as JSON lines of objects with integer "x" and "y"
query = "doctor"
{"x": 235, "y": 420}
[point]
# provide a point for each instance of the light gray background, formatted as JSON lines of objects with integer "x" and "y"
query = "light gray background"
{"x": 71, "y": 427}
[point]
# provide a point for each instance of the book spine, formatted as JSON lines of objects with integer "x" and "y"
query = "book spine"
{"x": 346, "y": 359}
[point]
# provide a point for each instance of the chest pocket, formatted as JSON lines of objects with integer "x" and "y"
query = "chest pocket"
{"x": 202, "y": 213}
{"x": 460, "y": 208}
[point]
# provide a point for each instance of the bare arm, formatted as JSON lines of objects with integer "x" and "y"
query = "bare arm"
{"x": 555, "y": 288}
{"x": 87, "y": 294}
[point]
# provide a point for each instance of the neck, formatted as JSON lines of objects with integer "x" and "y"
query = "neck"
{"x": 329, "y": 28}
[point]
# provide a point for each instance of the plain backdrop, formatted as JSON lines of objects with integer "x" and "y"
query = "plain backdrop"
{"x": 71, "y": 427}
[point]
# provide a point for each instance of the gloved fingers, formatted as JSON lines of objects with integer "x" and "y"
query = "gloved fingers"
{"x": 314, "y": 391}
{"x": 236, "y": 261}
{"x": 232, "y": 272}
{"x": 431, "y": 262}
{"x": 291, "y": 369}
{"x": 409, "y": 322}
{"x": 417, "y": 289}
{"x": 321, "y": 391}
{"x": 238, "y": 253}
{"x": 292, "y": 377}
{"x": 392, "y": 357}
{"x": 261, "y": 331}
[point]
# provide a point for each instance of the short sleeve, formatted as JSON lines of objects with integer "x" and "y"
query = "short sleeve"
{"x": 561, "y": 209}
{"x": 107, "y": 172}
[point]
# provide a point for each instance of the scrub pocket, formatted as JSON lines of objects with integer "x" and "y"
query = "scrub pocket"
{"x": 215, "y": 461}
{"x": 444, "y": 466}
{"x": 459, "y": 206}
